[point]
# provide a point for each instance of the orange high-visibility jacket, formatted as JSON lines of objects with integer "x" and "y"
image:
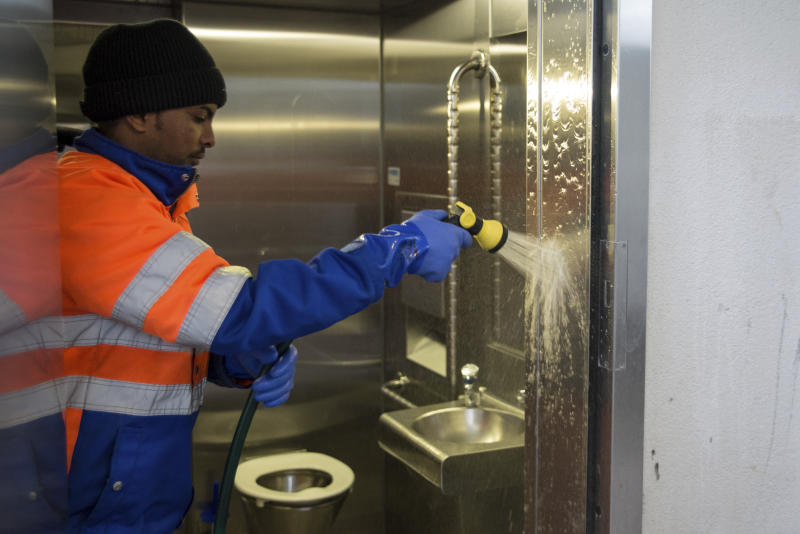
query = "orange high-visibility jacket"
{"x": 143, "y": 299}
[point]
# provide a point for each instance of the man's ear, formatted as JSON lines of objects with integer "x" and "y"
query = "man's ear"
{"x": 140, "y": 122}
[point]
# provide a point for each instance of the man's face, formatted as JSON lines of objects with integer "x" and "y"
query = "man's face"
{"x": 180, "y": 136}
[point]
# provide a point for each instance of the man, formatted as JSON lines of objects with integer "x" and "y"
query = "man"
{"x": 150, "y": 310}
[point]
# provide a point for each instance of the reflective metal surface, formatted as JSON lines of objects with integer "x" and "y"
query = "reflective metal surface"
{"x": 559, "y": 171}
{"x": 294, "y": 480}
{"x": 459, "y": 450}
{"x": 469, "y": 425}
{"x": 295, "y": 168}
{"x": 263, "y": 516}
{"x": 508, "y": 335}
{"x": 423, "y": 43}
{"x": 469, "y": 377}
{"x": 478, "y": 65}
{"x": 621, "y": 219}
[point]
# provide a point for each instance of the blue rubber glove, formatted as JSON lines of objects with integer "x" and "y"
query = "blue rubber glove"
{"x": 247, "y": 366}
{"x": 444, "y": 242}
{"x": 273, "y": 388}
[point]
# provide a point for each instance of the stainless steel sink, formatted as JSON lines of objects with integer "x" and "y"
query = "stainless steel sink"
{"x": 469, "y": 425}
{"x": 458, "y": 449}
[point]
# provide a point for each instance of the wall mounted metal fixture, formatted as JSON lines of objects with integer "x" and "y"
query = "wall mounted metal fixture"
{"x": 478, "y": 63}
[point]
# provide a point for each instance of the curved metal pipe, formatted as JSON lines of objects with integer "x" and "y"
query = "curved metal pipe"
{"x": 495, "y": 135}
{"x": 479, "y": 64}
{"x": 476, "y": 62}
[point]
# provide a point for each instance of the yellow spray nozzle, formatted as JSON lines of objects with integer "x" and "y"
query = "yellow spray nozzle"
{"x": 491, "y": 235}
{"x": 467, "y": 218}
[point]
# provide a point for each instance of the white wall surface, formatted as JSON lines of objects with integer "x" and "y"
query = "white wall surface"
{"x": 722, "y": 408}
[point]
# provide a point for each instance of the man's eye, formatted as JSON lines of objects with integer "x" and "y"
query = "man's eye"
{"x": 198, "y": 118}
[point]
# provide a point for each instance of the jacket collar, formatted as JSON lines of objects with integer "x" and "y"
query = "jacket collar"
{"x": 39, "y": 142}
{"x": 167, "y": 182}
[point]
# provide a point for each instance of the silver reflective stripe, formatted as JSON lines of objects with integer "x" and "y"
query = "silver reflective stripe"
{"x": 45, "y": 333}
{"x": 211, "y": 306}
{"x": 98, "y": 394}
{"x": 134, "y": 398}
{"x": 29, "y": 404}
{"x": 11, "y": 315}
{"x": 80, "y": 331}
{"x": 89, "y": 330}
{"x": 155, "y": 277}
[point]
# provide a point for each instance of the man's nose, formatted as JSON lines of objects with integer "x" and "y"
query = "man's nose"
{"x": 207, "y": 139}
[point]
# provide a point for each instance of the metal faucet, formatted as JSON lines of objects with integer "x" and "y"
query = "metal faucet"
{"x": 472, "y": 395}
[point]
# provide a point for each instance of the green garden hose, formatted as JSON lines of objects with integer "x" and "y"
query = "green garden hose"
{"x": 235, "y": 450}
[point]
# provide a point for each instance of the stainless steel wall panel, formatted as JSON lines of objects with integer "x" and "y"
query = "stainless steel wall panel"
{"x": 622, "y": 216}
{"x": 104, "y": 13}
{"x": 423, "y": 43}
{"x": 72, "y": 40}
{"x": 295, "y": 168}
{"x": 559, "y": 171}
{"x": 508, "y": 17}
{"x": 508, "y": 54}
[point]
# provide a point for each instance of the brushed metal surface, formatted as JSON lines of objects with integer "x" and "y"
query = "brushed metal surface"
{"x": 423, "y": 43}
{"x": 99, "y": 10}
{"x": 508, "y": 17}
{"x": 509, "y": 328}
{"x": 622, "y": 226}
{"x": 295, "y": 167}
{"x": 559, "y": 170}
{"x": 421, "y": 49}
{"x": 436, "y": 443}
{"x": 469, "y": 425}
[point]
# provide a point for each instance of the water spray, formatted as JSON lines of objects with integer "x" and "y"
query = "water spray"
{"x": 541, "y": 263}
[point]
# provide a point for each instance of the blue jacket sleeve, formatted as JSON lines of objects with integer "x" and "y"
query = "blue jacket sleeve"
{"x": 289, "y": 299}
{"x": 218, "y": 373}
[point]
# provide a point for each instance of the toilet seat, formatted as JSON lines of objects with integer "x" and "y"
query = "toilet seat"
{"x": 248, "y": 473}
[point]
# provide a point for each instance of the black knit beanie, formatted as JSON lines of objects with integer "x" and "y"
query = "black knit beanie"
{"x": 140, "y": 68}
